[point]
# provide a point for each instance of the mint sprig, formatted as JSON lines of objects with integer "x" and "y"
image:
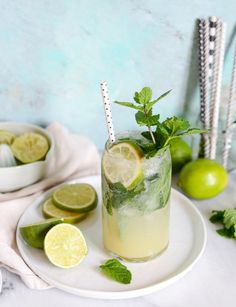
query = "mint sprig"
{"x": 163, "y": 132}
{"x": 115, "y": 270}
{"x": 227, "y": 218}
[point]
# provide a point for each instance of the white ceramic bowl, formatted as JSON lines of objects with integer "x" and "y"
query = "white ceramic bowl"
{"x": 17, "y": 177}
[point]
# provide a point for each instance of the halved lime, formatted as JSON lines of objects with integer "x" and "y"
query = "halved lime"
{"x": 65, "y": 246}
{"x": 50, "y": 210}
{"x": 78, "y": 197}
{"x": 34, "y": 234}
{"x": 6, "y": 137}
{"x": 30, "y": 147}
{"x": 123, "y": 163}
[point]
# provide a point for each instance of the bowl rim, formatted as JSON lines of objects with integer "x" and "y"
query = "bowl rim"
{"x": 36, "y": 127}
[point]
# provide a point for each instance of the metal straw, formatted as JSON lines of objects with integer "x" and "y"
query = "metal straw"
{"x": 216, "y": 84}
{"x": 204, "y": 81}
{"x": 229, "y": 119}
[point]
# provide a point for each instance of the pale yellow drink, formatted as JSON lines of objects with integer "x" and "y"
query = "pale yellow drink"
{"x": 136, "y": 221}
{"x": 138, "y": 238}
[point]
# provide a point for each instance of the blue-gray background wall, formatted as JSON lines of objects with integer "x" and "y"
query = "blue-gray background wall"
{"x": 53, "y": 55}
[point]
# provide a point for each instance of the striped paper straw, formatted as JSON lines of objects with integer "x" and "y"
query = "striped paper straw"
{"x": 216, "y": 85}
{"x": 107, "y": 109}
{"x": 229, "y": 119}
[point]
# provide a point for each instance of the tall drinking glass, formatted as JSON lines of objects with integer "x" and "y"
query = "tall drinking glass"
{"x": 136, "y": 199}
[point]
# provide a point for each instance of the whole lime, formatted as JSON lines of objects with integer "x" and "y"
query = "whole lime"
{"x": 181, "y": 153}
{"x": 203, "y": 178}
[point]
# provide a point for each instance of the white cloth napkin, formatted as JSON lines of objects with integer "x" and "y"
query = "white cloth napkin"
{"x": 74, "y": 156}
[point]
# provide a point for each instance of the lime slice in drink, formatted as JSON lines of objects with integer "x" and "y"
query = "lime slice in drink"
{"x": 34, "y": 234}
{"x": 65, "y": 246}
{"x": 50, "y": 210}
{"x": 6, "y": 137}
{"x": 122, "y": 163}
{"x": 30, "y": 147}
{"x": 78, "y": 197}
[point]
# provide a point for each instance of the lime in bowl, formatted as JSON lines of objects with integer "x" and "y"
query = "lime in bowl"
{"x": 29, "y": 165}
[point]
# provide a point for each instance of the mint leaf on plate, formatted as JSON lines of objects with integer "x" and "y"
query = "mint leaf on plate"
{"x": 114, "y": 269}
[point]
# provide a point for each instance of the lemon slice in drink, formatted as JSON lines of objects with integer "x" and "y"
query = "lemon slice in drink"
{"x": 78, "y": 197}
{"x": 65, "y": 246}
{"x": 30, "y": 147}
{"x": 123, "y": 163}
{"x": 6, "y": 137}
{"x": 50, "y": 211}
{"x": 34, "y": 234}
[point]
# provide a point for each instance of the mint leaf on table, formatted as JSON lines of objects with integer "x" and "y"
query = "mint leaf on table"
{"x": 229, "y": 218}
{"x": 228, "y": 233}
{"x": 217, "y": 216}
{"x": 115, "y": 270}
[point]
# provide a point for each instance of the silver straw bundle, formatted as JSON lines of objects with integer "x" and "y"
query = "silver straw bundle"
{"x": 107, "y": 109}
{"x": 229, "y": 119}
{"x": 211, "y": 58}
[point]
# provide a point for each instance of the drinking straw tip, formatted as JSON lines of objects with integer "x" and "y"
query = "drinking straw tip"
{"x": 213, "y": 19}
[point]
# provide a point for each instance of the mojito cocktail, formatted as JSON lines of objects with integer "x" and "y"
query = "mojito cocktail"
{"x": 136, "y": 179}
{"x": 136, "y": 199}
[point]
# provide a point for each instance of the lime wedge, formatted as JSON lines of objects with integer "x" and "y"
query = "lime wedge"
{"x": 30, "y": 147}
{"x": 123, "y": 163}
{"x": 78, "y": 197}
{"x": 65, "y": 246}
{"x": 50, "y": 210}
{"x": 34, "y": 234}
{"x": 6, "y": 137}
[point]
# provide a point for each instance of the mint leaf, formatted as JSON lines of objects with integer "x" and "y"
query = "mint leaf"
{"x": 116, "y": 271}
{"x": 229, "y": 218}
{"x": 217, "y": 216}
{"x": 192, "y": 131}
{"x": 129, "y": 105}
{"x": 228, "y": 233}
{"x": 146, "y": 120}
{"x": 151, "y": 103}
{"x": 146, "y": 135}
{"x": 136, "y": 97}
{"x": 161, "y": 135}
{"x": 175, "y": 124}
{"x": 145, "y": 95}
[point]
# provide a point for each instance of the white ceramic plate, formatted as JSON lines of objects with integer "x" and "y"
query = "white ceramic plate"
{"x": 187, "y": 242}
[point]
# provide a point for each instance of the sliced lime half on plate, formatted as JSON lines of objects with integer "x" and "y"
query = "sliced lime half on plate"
{"x": 50, "y": 210}
{"x": 78, "y": 197}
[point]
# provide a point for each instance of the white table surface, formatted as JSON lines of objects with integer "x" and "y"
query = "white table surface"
{"x": 211, "y": 283}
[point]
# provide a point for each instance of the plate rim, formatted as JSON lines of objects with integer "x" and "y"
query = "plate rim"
{"x": 126, "y": 294}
